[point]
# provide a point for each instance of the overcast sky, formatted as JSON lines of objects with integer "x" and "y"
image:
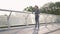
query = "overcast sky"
{"x": 21, "y": 4}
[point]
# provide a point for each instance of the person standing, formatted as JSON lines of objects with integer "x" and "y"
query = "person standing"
{"x": 37, "y": 12}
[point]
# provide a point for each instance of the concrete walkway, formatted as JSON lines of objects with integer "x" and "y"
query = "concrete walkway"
{"x": 50, "y": 29}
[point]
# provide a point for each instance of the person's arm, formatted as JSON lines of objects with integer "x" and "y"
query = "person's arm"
{"x": 38, "y": 11}
{"x": 33, "y": 11}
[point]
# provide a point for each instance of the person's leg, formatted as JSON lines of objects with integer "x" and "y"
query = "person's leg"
{"x": 36, "y": 29}
{"x": 35, "y": 26}
{"x": 37, "y": 21}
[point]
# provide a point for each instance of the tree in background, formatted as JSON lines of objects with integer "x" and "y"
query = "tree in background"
{"x": 30, "y": 9}
{"x": 51, "y": 8}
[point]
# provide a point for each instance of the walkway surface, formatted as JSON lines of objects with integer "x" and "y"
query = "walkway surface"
{"x": 50, "y": 29}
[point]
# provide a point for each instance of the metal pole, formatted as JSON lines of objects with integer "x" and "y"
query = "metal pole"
{"x": 14, "y": 11}
{"x": 8, "y": 22}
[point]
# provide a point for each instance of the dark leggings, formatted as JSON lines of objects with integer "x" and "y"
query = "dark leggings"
{"x": 37, "y": 21}
{"x": 36, "y": 24}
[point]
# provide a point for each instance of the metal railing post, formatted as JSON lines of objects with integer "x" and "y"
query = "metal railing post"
{"x": 8, "y": 21}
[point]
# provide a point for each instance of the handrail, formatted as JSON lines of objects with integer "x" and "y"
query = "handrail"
{"x": 15, "y": 11}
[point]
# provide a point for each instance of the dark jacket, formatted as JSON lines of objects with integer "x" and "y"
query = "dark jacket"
{"x": 36, "y": 11}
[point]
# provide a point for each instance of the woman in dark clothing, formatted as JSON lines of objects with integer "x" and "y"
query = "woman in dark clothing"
{"x": 37, "y": 12}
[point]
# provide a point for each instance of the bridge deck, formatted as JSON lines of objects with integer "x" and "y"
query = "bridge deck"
{"x": 50, "y": 29}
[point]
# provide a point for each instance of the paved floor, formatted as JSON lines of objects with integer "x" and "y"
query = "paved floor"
{"x": 50, "y": 29}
